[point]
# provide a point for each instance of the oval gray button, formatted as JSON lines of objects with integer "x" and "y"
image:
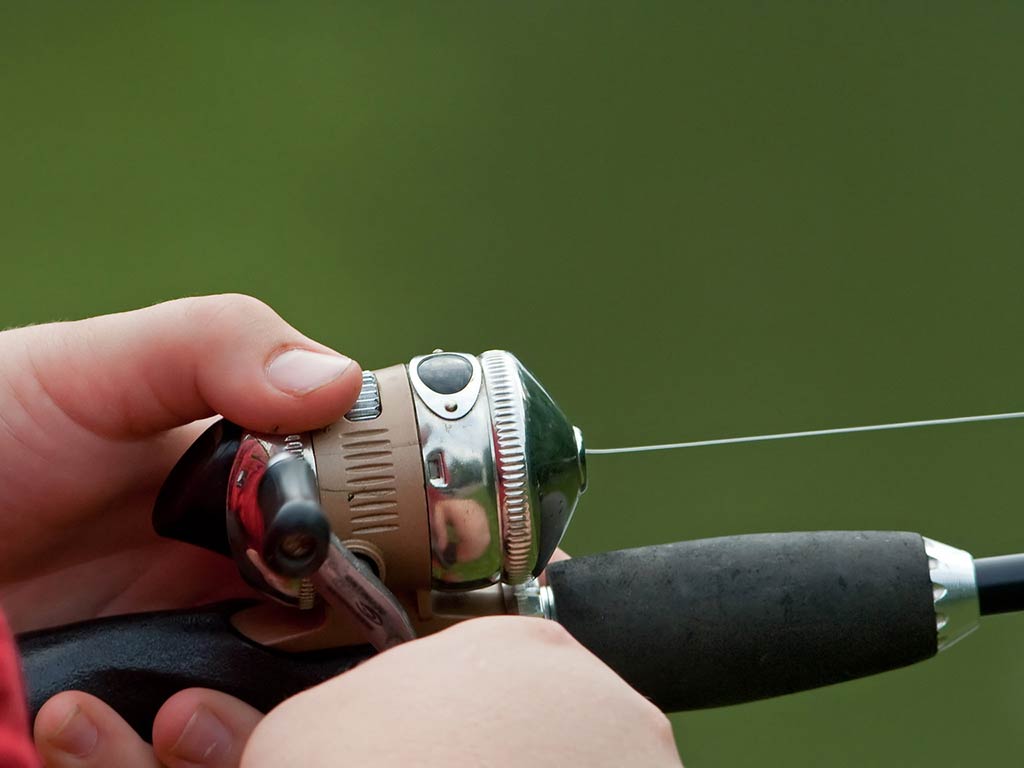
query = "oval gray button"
{"x": 445, "y": 374}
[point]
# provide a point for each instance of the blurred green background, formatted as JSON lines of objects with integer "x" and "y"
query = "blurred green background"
{"x": 690, "y": 220}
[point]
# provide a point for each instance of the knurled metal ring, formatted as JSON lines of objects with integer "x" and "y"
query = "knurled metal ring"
{"x": 508, "y": 419}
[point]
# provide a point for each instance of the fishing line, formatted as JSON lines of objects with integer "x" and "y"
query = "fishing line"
{"x": 809, "y": 433}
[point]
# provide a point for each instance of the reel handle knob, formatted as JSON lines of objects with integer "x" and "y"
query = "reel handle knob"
{"x": 296, "y": 533}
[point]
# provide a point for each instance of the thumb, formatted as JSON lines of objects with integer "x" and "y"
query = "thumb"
{"x": 137, "y": 373}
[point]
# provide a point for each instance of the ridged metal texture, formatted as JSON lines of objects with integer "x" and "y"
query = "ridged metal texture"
{"x": 508, "y": 417}
{"x": 367, "y": 406}
{"x": 954, "y": 592}
{"x": 370, "y": 478}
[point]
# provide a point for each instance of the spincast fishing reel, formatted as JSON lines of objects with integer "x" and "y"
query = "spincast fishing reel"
{"x": 440, "y": 496}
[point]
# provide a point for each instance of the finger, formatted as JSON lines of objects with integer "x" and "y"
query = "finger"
{"x": 141, "y": 372}
{"x": 559, "y": 555}
{"x": 200, "y": 727}
{"x": 556, "y": 557}
{"x": 76, "y": 730}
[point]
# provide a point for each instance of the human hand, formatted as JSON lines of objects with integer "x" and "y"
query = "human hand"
{"x": 95, "y": 413}
{"x": 500, "y": 691}
{"x": 199, "y": 366}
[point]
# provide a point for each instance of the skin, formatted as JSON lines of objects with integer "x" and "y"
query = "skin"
{"x": 95, "y": 413}
{"x": 502, "y": 691}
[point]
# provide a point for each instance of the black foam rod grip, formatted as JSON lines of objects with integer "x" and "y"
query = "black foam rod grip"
{"x": 722, "y": 621}
{"x": 136, "y": 662}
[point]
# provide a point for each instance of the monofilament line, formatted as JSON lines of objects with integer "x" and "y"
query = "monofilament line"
{"x": 809, "y": 433}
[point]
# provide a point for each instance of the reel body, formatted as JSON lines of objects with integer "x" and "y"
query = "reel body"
{"x": 440, "y": 496}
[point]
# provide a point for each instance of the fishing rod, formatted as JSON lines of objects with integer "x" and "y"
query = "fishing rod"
{"x": 440, "y": 497}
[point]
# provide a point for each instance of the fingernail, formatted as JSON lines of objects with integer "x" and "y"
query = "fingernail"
{"x": 204, "y": 737}
{"x": 299, "y": 371}
{"x": 77, "y": 735}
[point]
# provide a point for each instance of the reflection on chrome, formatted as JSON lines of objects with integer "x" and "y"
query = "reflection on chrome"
{"x": 459, "y": 468}
{"x": 460, "y": 531}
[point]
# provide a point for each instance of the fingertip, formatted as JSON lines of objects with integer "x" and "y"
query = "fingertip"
{"x": 556, "y": 557}
{"x": 173, "y": 717}
{"x": 559, "y": 555}
{"x": 138, "y": 373}
{"x": 299, "y": 372}
{"x": 302, "y": 389}
{"x": 62, "y": 725}
{"x": 200, "y": 727}
{"x": 76, "y": 729}
{"x": 261, "y": 372}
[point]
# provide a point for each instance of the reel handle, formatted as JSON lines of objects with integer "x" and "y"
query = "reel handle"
{"x": 296, "y": 533}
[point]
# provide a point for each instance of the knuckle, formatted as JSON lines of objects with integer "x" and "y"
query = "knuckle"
{"x": 232, "y": 308}
{"x": 511, "y": 632}
{"x": 482, "y": 629}
{"x": 524, "y": 630}
{"x": 547, "y": 632}
{"x": 658, "y": 725}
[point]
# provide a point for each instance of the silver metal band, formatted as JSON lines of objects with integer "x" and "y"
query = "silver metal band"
{"x": 531, "y": 599}
{"x": 954, "y": 592}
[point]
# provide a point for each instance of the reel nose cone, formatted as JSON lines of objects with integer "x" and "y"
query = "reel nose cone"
{"x": 556, "y": 464}
{"x": 190, "y": 505}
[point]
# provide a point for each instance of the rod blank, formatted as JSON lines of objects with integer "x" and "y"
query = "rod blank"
{"x": 1000, "y": 584}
